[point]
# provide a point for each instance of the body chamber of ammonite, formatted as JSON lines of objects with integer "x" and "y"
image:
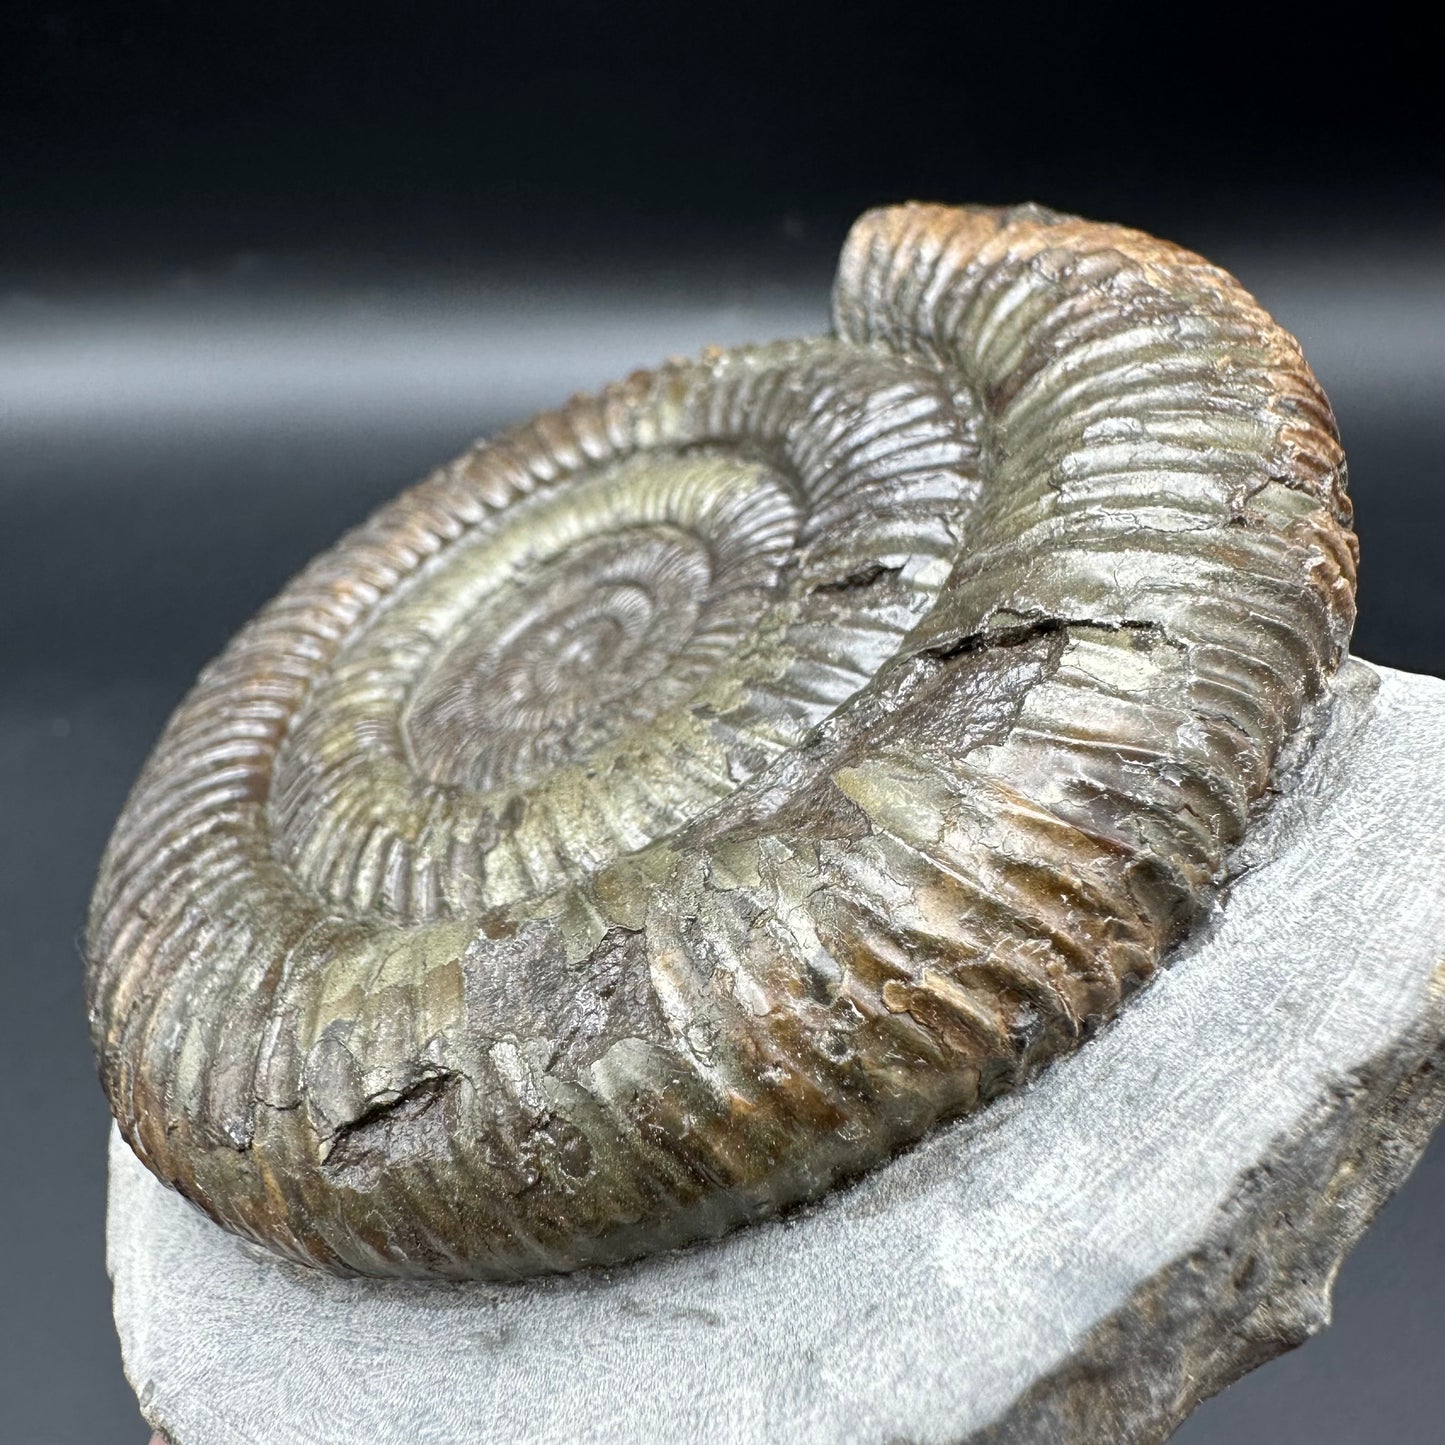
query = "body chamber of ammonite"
{"x": 687, "y": 799}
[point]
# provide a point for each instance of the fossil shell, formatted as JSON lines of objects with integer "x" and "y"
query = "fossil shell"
{"x": 690, "y": 797}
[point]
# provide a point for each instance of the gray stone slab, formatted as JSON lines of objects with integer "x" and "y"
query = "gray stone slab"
{"x": 1082, "y": 1261}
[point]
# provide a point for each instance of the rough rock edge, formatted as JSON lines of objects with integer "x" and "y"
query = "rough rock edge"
{"x": 1262, "y": 1282}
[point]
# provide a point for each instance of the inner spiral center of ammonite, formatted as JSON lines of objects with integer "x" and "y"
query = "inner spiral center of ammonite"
{"x": 604, "y": 657}
{"x": 555, "y": 665}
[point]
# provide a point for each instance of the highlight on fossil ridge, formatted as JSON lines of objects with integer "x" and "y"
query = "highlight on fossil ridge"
{"x": 688, "y": 798}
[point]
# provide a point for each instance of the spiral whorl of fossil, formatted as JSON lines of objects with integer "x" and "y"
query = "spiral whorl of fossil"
{"x": 690, "y": 797}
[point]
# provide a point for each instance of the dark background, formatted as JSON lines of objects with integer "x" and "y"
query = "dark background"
{"x": 262, "y": 265}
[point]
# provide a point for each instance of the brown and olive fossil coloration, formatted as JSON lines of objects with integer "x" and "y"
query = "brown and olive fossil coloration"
{"x": 690, "y": 797}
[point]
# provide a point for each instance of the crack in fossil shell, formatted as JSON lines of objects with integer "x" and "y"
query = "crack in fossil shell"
{"x": 685, "y": 800}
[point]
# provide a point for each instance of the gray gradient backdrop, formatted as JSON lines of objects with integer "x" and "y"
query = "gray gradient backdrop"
{"x": 262, "y": 266}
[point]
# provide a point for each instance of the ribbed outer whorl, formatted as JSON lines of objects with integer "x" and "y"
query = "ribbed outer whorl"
{"x": 690, "y": 797}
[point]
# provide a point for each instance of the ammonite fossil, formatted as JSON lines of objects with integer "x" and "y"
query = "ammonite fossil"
{"x": 685, "y": 800}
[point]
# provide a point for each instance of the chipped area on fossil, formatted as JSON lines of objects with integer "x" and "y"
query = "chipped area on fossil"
{"x": 689, "y": 798}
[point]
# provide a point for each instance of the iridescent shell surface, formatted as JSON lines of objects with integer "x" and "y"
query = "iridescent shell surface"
{"x": 687, "y": 799}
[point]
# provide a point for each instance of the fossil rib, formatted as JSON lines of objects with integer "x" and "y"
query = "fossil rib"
{"x": 690, "y": 797}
